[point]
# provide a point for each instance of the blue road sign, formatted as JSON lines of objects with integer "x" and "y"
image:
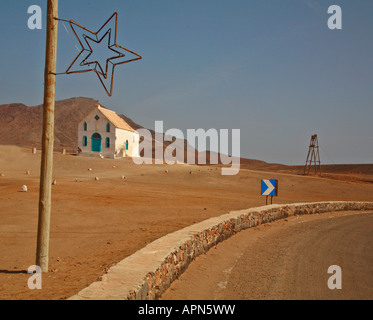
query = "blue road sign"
{"x": 269, "y": 187}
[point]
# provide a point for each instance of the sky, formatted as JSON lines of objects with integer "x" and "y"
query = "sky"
{"x": 271, "y": 68}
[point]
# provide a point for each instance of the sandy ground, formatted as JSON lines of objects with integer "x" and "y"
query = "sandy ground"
{"x": 95, "y": 224}
{"x": 285, "y": 260}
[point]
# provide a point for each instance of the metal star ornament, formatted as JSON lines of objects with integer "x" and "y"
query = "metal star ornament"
{"x": 87, "y": 60}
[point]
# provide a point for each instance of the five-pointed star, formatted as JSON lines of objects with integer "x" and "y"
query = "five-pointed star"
{"x": 85, "y": 57}
{"x": 109, "y": 52}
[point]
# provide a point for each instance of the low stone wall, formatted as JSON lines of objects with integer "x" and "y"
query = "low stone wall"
{"x": 149, "y": 272}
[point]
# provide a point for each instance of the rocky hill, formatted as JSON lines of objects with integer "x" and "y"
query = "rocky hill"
{"x": 21, "y": 125}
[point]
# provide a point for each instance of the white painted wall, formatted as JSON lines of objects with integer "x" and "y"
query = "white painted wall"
{"x": 120, "y": 143}
{"x": 117, "y": 138}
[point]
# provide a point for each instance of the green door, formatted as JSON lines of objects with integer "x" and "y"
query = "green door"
{"x": 96, "y": 142}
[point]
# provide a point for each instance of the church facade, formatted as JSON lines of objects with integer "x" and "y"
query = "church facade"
{"x": 103, "y": 133}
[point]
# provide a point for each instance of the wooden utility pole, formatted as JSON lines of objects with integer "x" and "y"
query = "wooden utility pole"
{"x": 45, "y": 194}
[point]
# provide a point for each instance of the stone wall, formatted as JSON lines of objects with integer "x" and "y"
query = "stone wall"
{"x": 149, "y": 272}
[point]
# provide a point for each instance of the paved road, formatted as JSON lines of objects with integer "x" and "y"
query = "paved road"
{"x": 286, "y": 259}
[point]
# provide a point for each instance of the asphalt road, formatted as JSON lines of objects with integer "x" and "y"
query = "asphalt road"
{"x": 286, "y": 259}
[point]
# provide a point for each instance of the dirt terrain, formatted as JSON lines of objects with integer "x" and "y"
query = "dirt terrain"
{"x": 95, "y": 224}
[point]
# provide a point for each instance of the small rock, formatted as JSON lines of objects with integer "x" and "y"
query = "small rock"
{"x": 113, "y": 167}
{"x": 123, "y": 177}
{"x": 58, "y": 259}
{"x": 24, "y": 188}
{"x": 54, "y": 182}
{"x": 166, "y": 171}
{"x": 89, "y": 169}
{"x": 97, "y": 179}
{"x": 28, "y": 172}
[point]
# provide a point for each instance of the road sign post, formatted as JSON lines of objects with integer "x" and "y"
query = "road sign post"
{"x": 269, "y": 188}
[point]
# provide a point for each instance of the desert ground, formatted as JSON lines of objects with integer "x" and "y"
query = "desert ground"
{"x": 95, "y": 224}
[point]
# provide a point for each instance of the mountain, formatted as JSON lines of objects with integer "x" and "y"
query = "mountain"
{"x": 22, "y": 125}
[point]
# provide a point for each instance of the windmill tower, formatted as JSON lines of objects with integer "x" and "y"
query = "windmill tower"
{"x": 313, "y": 157}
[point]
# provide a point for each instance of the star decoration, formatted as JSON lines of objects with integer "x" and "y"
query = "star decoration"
{"x": 86, "y": 60}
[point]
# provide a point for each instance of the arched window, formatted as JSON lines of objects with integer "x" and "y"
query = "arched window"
{"x": 85, "y": 141}
{"x": 126, "y": 144}
{"x": 85, "y": 126}
{"x": 108, "y": 127}
{"x": 107, "y": 143}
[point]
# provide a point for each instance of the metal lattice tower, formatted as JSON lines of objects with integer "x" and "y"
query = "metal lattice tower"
{"x": 313, "y": 157}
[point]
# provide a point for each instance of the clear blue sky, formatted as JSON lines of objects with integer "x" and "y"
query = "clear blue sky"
{"x": 270, "y": 68}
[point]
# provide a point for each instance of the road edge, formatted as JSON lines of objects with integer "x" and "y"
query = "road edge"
{"x": 147, "y": 273}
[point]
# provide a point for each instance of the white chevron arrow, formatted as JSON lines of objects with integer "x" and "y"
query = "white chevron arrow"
{"x": 270, "y": 187}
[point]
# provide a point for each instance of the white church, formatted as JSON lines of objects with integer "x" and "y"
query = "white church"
{"x": 103, "y": 133}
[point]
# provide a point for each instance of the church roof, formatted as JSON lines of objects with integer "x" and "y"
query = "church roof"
{"x": 115, "y": 119}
